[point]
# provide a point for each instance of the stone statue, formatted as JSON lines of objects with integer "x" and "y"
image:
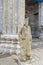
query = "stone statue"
{"x": 25, "y": 39}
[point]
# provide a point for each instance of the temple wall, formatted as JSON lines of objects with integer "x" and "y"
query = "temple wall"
{"x": 13, "y": 16}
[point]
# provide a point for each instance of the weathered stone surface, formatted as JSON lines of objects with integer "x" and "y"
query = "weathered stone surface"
{"x": 25, "y": 39}
{"x": 13, "y": 16}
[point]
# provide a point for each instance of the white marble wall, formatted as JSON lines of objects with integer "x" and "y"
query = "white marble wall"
{"x": 13, "y": 16}
{"x": 21, "y": 14}
{"x": 3, "y": 21}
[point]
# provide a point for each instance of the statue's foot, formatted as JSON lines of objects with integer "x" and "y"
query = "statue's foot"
{"x": 28, "y": 57}
{"x": 23, "y": 59}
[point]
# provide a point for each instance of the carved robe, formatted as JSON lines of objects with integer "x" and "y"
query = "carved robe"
{"x": 25, "y": 39}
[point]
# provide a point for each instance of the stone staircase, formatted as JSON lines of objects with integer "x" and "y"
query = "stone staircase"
{"x": 9, "y": 45}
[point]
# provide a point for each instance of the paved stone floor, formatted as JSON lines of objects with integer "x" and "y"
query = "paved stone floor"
{"x": 37, "y": 56}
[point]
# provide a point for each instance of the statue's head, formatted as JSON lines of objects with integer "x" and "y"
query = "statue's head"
{"x": 26, "y": 22}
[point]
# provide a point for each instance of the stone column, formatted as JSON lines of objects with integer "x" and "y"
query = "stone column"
{"x": 3, "y": 23}
{"x": 9, "y": 17}
{"x": 41, "y": 19}
{"x": 6, "y": 16}
{"x": 21, "y": 14}
{"x": 13, "y": 16}
{"x": 18, "y": 14}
